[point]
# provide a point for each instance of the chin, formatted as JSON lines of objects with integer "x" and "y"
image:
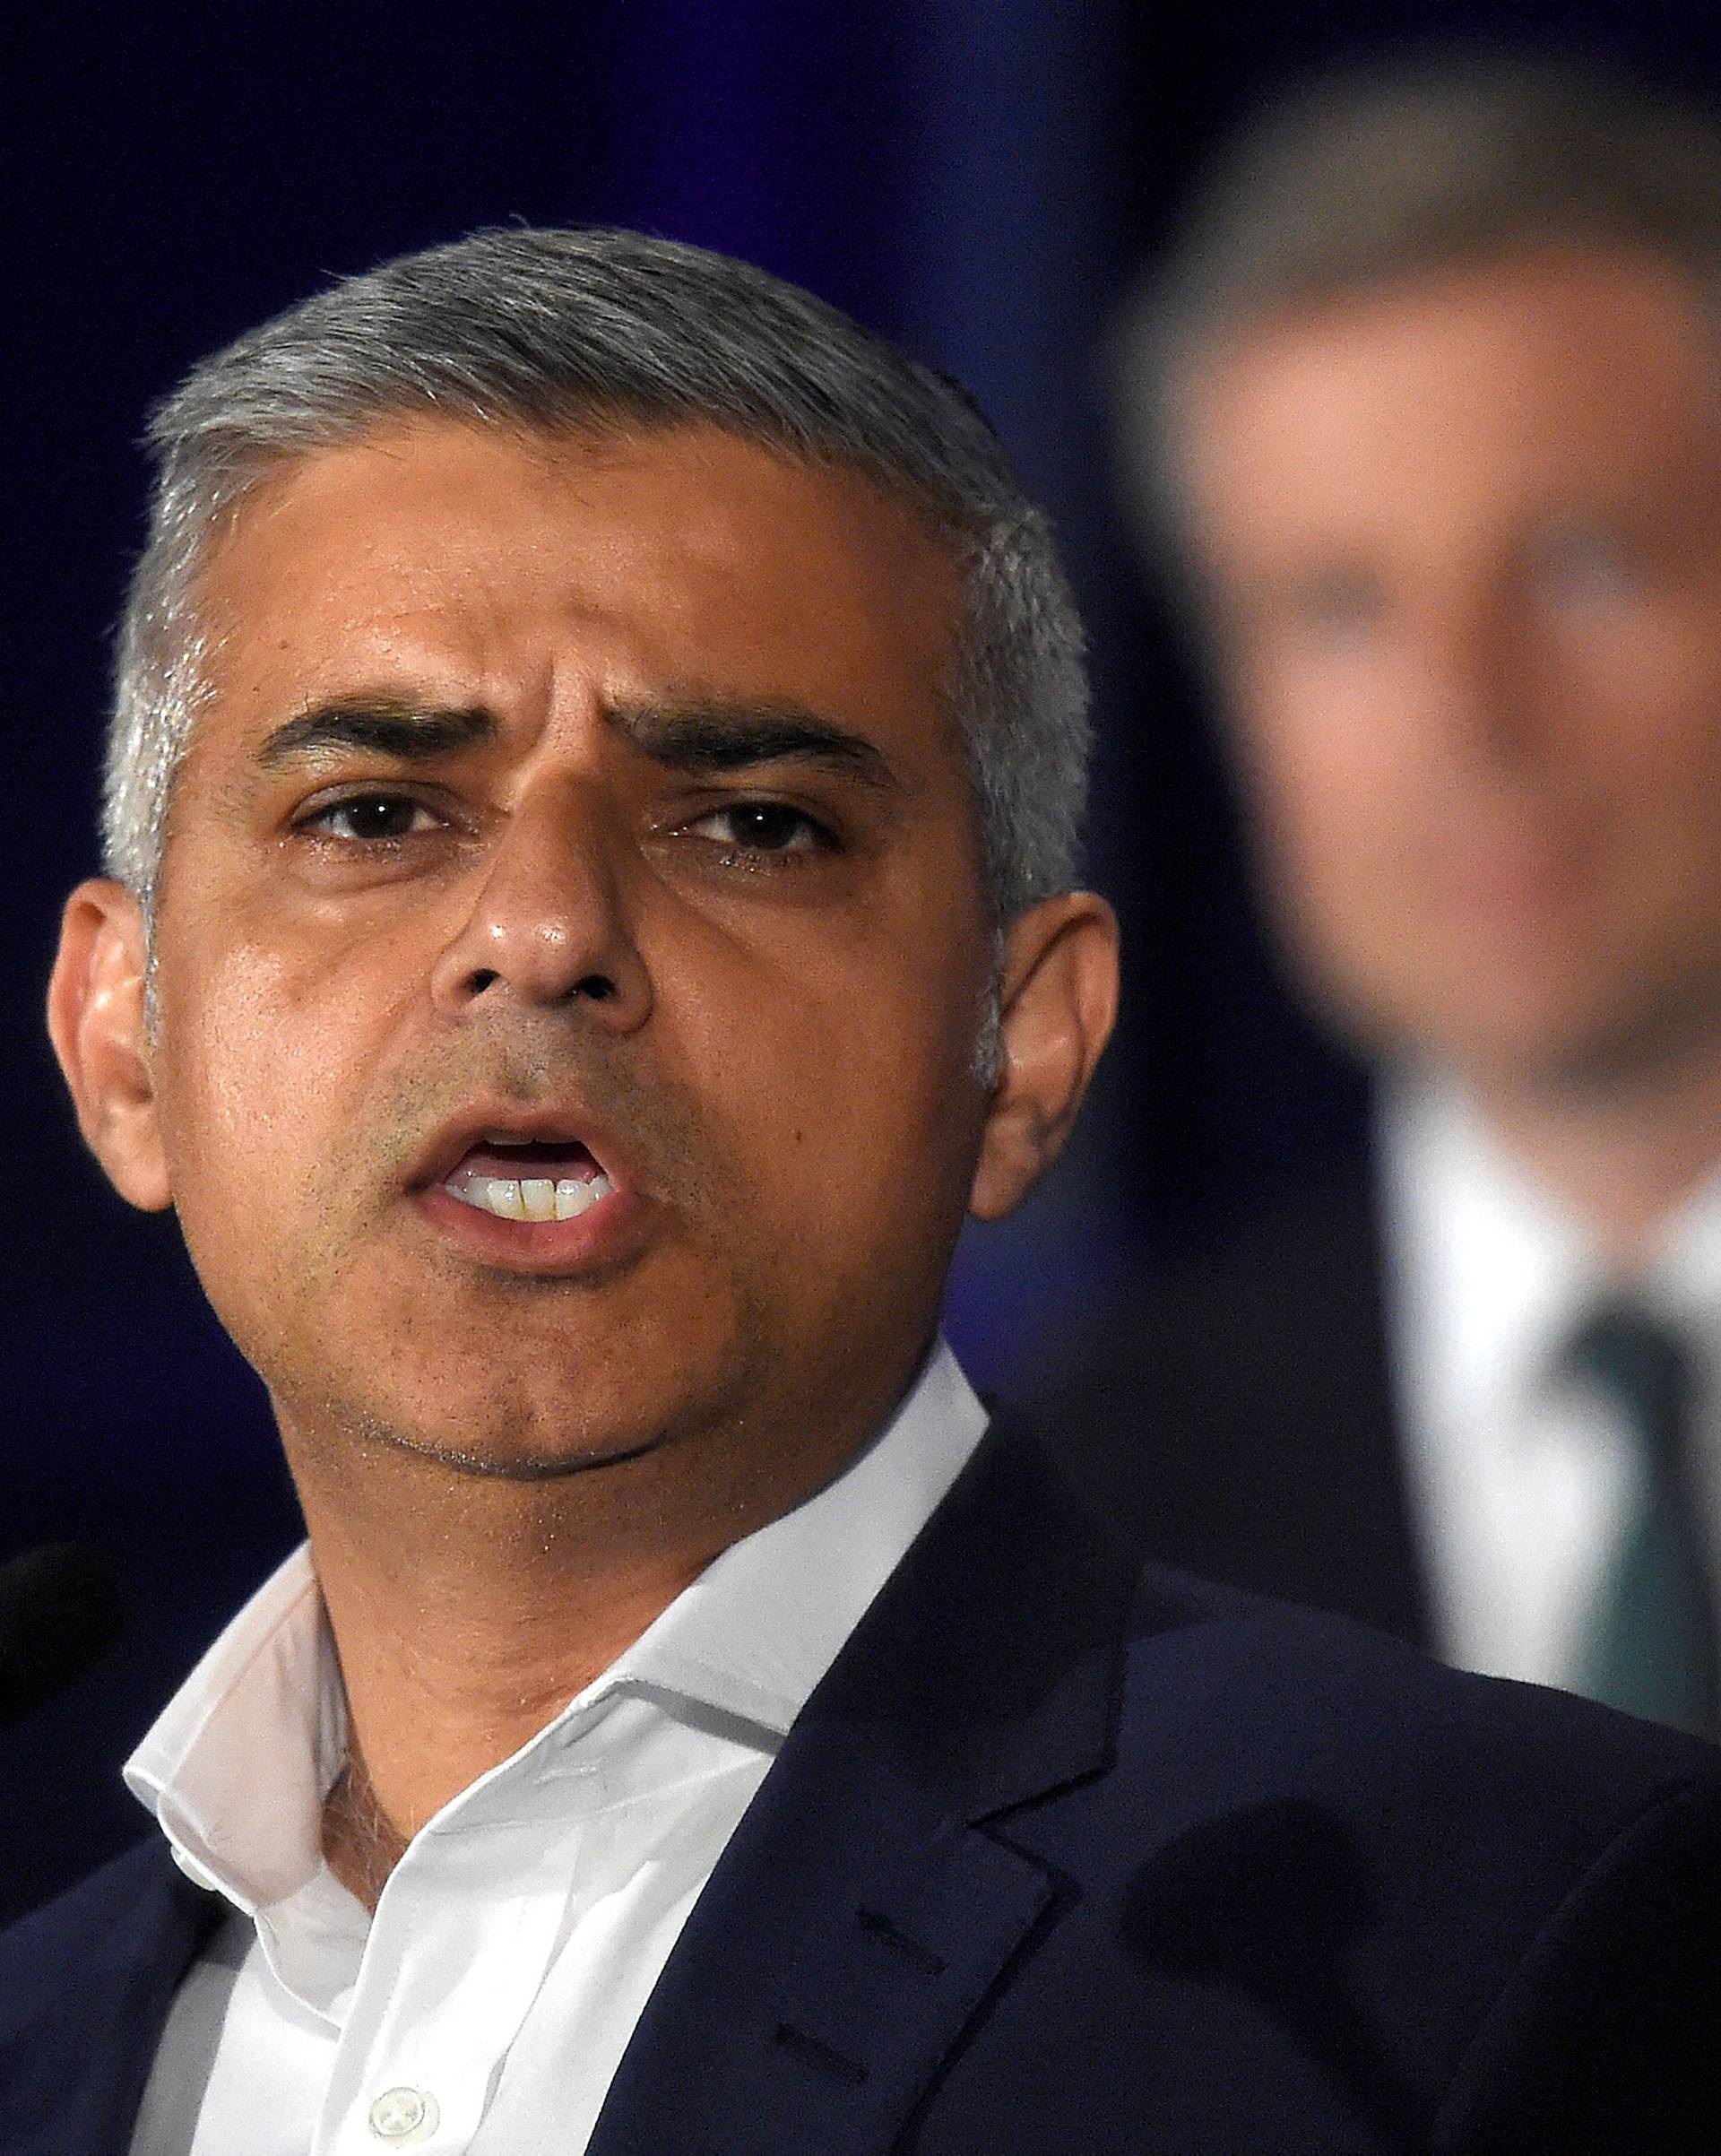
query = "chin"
{"x": 1548, "y": 1043}
{"x": 517, "y": 1459}
{"x": 516, "y": 1430}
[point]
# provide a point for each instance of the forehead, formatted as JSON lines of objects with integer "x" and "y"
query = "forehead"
{"x": 1523, "y": 378}
{"x": 491, "y": 565}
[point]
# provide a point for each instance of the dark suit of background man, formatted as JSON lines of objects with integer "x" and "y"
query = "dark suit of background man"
{"x": 597, "y": 759}
{"x": 1428, "y": 403}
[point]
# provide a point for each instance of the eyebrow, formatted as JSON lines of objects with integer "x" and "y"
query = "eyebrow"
{"x": 409, "y": 732}
{"x": 700, "y": 735}
{"x": 710, "y": 734}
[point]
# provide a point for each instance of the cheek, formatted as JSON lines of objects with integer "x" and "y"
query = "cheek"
{"x": 1657, "y": 818}
{"x": 252, "y": 1083}
{"x": 849, "y": 1103}
{"x": 1327, "y": 791}
{"x": 1653, "y": 731}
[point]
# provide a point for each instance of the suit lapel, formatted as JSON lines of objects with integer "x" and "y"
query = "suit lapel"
{"x": 104, "y": 1964}
{"x": 1326, "y": 1493}
{"x": 866, "y": 1907}
{"x": 1234, "y": 1415}
{"x": 1263, "y": 1387}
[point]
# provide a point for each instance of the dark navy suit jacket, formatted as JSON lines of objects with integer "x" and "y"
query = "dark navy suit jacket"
{"x": 1063, "y": 1858}
{"x": 1234, "y": 1414}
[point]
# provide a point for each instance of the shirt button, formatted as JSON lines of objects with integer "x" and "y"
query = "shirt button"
{"x": 404, "y": 2116}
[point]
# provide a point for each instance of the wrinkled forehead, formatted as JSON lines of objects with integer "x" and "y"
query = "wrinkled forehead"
{"x": 214, "y": 505}
{"x": 411, "y": 497}
{"x": 470, "y": 567}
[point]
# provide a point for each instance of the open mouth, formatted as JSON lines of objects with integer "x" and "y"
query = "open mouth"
{"x": 528, "y": 1179}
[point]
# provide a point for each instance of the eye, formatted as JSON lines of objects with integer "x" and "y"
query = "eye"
{"x": 375, "y": 818}
{"x": 766, "y": 828}
{"x": 1587, "y": 562}
{"x": 1335, "y": 606}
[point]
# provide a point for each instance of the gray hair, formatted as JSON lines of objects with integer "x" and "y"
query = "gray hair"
{"x": 1368, "y": 175}
{"x": 551, "y": 331}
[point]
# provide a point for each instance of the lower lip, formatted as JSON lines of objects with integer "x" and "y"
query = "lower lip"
{"x": 605, "y": 1232}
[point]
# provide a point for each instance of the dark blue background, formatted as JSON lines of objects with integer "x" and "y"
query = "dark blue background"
{"x": 975, "y": 177}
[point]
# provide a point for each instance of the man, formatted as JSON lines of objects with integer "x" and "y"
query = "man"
{"x": 593, "y": 783}
{"x": 1428, "y": 396}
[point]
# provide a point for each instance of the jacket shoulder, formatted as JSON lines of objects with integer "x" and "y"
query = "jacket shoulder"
{"x": 1520, "y": 1884}
{"x": 85, "y": 1912}
{"x": 85, "y": 1985}
{"x": 139, "y": 1904}
{"x": 1235, "y": 1413}
{"x": 1339, "y": 1707}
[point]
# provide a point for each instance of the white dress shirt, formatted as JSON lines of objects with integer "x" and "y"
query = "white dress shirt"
{"x": 1523, "y": 1477}
{"x": 488, "y": 2002}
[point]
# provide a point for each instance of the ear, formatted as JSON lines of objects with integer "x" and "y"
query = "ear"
{"x": 97, "y": 1022}
{"x": 1058, "y": 997}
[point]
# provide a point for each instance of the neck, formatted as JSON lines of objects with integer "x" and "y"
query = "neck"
{"x": 462, "y": 1632}
{"x": 467, "y": 1610}
{"x": 1623, "y": 1153}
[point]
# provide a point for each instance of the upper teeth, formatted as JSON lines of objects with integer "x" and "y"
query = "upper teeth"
{"x": 529, "y": 1196}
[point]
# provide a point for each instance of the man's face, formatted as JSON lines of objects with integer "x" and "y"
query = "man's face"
{"x": 576, "y": 827}
{"x": 1463, "y": 540}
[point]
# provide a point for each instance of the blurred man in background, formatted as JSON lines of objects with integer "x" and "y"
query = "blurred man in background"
{"x": 1428, "y": 404}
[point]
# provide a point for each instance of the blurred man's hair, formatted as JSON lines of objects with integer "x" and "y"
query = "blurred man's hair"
{"x": 1375, "y": 173}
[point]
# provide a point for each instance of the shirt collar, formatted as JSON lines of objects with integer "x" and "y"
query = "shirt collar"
{"x": 763, "y": 1622}
{"x": 1488, "y": 1271}
{"x": 1491, "y": 1273}
{"x": 268, "y": 1689}
{"x": 1684, "y": 1276}
{"x": 237, "y": 1765}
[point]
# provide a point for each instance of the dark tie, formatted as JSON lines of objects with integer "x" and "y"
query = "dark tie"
{"x": 1652, "y": 1647}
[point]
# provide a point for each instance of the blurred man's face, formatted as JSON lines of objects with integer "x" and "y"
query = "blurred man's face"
{"x": 1463, "y": 540}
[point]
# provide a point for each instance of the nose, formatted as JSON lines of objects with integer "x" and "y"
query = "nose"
{"x": 1471, "y": 679}
{"x": 550, "y": 923}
